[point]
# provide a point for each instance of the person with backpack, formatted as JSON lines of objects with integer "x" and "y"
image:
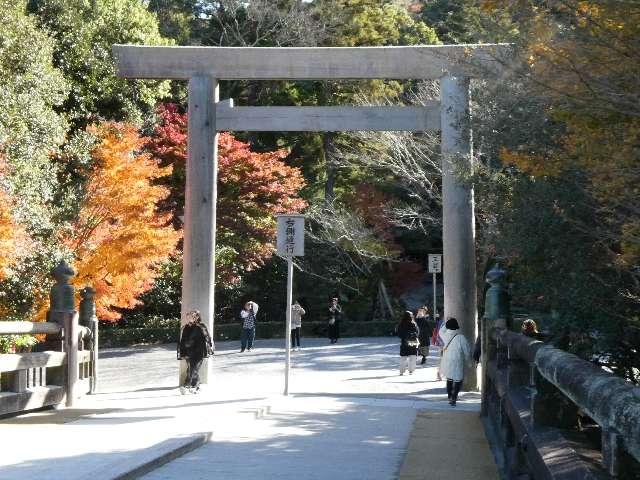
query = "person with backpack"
{"x": 455, "y": 355}
{"x": 194, "y": 346}
{"x": 408, "y": 332}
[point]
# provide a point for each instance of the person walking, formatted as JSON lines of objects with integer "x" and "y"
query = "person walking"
{"x": 409, "y": 342}
{"x": 296, "y": 324}
{"x": 455, "y": 355}
{"x": 335, "y": 316}
{"x": 437, "y": 342}
{"x": 423, "y": 320}
{"x": 248, "y": 316}
{"x": 194, "y": 346}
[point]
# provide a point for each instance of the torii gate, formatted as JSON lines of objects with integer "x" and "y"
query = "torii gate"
{"x": 203, "y": 67}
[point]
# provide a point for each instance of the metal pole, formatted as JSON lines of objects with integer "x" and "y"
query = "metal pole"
{"x": 287, "y": 333}
{"x": 435, "y": 306}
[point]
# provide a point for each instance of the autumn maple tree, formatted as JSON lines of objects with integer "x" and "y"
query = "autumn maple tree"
{"x": 7, "y": 234}
{"x": 120, "y": 236}
{"x": 252, "y": 188}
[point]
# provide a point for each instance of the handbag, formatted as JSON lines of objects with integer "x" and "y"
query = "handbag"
{"x": 413, "y": 342}
{"x": 449, "y": 343}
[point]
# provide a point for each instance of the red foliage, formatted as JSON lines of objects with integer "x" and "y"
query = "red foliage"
{"x": 370, "y": 204}
{"x": 252, "y": 188}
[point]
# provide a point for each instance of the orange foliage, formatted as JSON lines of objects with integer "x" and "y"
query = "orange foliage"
{"x": 533, "y": 163}
{"x": 7, "y": 234}
{"x": 119, "y": 236}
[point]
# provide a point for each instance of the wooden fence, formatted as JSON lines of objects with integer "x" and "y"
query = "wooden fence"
{"x": 58, "y": 376}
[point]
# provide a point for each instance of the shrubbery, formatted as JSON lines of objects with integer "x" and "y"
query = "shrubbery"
{"x": 167, "y": 330}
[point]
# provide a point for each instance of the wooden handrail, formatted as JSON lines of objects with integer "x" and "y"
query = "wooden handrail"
{"x": 10, "y": 362}
{"x": 21, "y": 328}
{"x": 610, "y": 401}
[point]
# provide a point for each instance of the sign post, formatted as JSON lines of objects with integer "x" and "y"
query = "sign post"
{"x": 289, "y": 244}
{"x": 435, "y": 267}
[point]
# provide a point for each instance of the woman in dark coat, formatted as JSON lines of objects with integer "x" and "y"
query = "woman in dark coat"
{"x": 194, "y": 346}
{"x": 408, "y": 332}
{"x": 423, "y": 320}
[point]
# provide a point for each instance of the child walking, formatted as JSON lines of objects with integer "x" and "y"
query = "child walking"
{"x": 194, "y": 346}
{"x": 408, "y": 332}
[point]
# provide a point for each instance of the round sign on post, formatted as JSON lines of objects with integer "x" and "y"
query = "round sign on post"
{"x": 289, "y": 244}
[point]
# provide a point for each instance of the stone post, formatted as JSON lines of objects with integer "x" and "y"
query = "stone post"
{"x": 89, "y": 319}
{"x": 62, "y": 294}
{"x": 496, "y": 307}
{"x": 200, "y": 208}
{"x": 62, "y": 311}
{"x": 458, "y": 221}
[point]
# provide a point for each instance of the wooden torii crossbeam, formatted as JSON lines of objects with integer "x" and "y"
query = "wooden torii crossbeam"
{"x": 203, "y": 67}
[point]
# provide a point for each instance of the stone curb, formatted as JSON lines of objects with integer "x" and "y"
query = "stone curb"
{"x": 162, "y": 458}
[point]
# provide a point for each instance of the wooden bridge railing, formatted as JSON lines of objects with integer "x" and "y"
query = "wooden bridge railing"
{"x": 39, "y": 379}
{"x": 67, "y": 369}
{"x": 534, "y": 396}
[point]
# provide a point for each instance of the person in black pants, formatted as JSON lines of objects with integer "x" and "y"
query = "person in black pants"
{"x": 296, "y": 324}
{"x": 423, "y": 320}
{"x": 335, "y": 315}
{"x": 194, "y": 346}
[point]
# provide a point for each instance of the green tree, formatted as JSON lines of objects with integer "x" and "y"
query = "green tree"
{"x": 31, "y": 89}
{"x": 84, "y": 31}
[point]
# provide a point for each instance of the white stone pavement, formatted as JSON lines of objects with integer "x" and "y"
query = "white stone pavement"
{"x": 349, "y": 416}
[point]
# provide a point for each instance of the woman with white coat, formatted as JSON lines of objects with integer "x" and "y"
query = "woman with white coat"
{"x": 456, "y": 353}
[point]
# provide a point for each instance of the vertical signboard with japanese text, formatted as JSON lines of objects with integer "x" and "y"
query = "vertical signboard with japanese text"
{"x": 290, "y": 239}
{"x": 289, "y": 244}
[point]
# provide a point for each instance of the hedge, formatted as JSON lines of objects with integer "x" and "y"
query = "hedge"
{"x": 123, "y": 337}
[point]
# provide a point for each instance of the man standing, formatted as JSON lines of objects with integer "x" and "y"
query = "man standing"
{"x": 335, "y": 315}
{"x": 248, "y": 315}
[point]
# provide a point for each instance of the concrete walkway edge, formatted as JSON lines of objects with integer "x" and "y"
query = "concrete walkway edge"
{"x": 163, "y": 457}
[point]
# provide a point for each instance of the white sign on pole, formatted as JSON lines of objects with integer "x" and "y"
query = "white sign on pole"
{"x": 289, "y": 244}
{"x": 290, "y": 239}
{"x": 435, "y": 263}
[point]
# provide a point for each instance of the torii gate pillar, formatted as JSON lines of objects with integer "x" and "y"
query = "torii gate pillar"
{"x": 198, "y": 274}
{"x": 458, "y": 222}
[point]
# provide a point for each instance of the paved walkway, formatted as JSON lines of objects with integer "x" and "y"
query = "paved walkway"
{"x": 350, "y": 416}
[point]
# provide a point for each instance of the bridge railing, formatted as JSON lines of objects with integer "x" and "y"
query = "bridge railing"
{"x": 67, "y": 369}
{"x": 534, "y": 396}
{"x": 34, "y": 380}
